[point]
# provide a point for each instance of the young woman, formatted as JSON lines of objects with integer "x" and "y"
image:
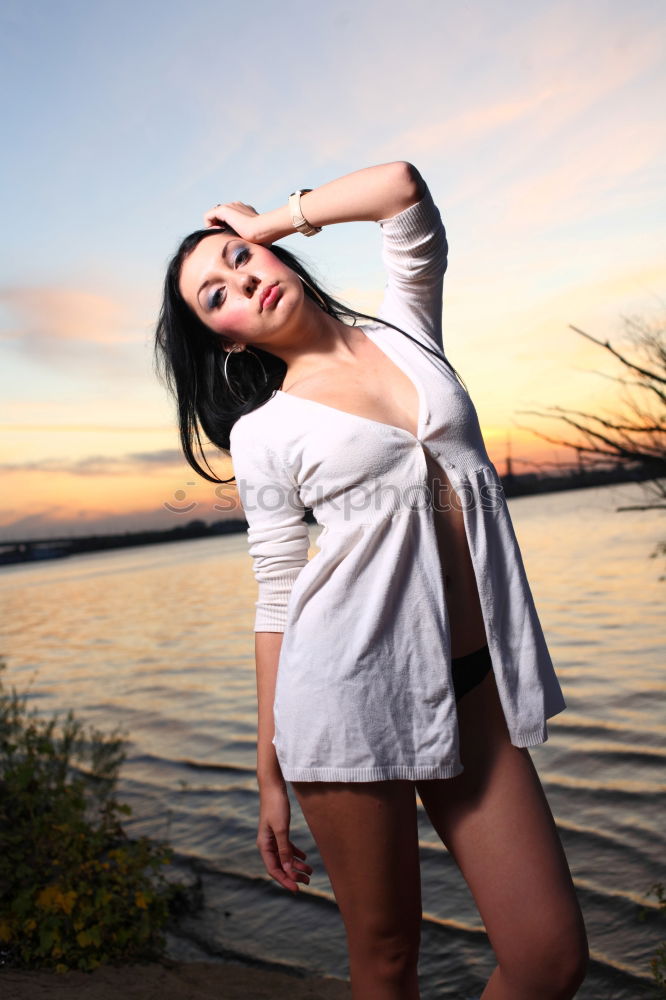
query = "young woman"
{"x": 407, "y": 655}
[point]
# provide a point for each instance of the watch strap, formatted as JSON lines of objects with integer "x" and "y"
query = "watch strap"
{"x": 298, "y": 220}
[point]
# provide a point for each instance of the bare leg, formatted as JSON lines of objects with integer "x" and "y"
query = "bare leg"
{"x": 367, "y": 836}
{"x": 496, "y": 822}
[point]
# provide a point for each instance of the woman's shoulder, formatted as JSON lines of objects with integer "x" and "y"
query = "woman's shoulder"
{"x": 267, "y": 428}
{"x": 253, "y": 425}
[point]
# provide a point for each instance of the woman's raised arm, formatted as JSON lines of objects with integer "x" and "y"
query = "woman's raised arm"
{"x": 366, "y": 195}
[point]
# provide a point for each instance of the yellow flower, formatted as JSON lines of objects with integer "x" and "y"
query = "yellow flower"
{"x": 66, "y": 901}
{"x": 53, "y": 898}
{"x": 47, "y": 897}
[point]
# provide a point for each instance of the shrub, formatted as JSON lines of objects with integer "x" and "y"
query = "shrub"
{"x": 75, "y": 890}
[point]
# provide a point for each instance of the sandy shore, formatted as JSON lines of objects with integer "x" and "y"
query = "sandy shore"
{"x": 170, "y": 981}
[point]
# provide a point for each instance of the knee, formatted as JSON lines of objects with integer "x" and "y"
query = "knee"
{"x": 390, "y": 956}
{"x": 567, "y": 972}
{"x": 396, "y": 960}
{"x": 555, "y": 970}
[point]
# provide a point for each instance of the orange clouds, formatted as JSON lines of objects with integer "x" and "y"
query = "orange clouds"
{"x": 101, "y": 492}
{"x": 51, "y": 313}
{"x": 458, "y": 128}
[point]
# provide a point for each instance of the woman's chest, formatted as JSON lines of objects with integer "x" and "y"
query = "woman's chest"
{"x": 371, "y": 386}
{"x": 360, "y": 468}
{"x": 373, "y": 442}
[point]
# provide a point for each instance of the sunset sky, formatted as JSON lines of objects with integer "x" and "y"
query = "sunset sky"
{"x": 537, "y": 125}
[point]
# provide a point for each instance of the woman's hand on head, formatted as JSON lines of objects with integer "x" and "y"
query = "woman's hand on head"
{"x": 264, "y": 228}
{"x": 282, "y": 859}
{"x": 242, "y": 218}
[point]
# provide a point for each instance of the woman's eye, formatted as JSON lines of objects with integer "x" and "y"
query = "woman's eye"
{"x": 242, "y": 256}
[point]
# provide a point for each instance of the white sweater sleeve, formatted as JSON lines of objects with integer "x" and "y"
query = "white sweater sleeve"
{"x": 415, "y": 254}
{"x": 278, "y": 536}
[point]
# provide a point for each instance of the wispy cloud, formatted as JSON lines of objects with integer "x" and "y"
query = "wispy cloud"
{"x": 101, "y": 465}
{"x": 52, "y": 428}
{"x": 45, "y": 317}
{"x": 83, "y": 336}
{"x": 565, "y": 123}
{"x": 536, "y": 124}
{"x": 472, "y": 123}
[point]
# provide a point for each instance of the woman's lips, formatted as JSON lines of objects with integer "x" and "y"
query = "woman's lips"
{"x": 270, "y": 297}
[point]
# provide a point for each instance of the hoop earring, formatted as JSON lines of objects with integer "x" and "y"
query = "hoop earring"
{"x": 239, "y": 350}
{"x": 316, "y": 294}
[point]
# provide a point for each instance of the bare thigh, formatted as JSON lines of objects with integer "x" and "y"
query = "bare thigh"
{"x": 367, "y": 835}
{"x": 496, "y": 822}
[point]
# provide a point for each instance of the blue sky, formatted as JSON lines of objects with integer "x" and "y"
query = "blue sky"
{"x": 538, "y": 126}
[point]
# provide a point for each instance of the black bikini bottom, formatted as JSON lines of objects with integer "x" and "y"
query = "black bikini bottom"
{"x": 469, "y": 670}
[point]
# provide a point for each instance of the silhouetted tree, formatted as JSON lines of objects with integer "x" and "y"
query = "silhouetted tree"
{"x": 635, "y": 434}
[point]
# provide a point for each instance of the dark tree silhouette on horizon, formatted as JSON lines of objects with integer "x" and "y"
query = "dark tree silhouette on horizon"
{"x": 635, "y": 432}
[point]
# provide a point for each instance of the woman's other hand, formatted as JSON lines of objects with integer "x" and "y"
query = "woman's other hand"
{"x": 238, "y": 216}
{"x": 283, "y": 860}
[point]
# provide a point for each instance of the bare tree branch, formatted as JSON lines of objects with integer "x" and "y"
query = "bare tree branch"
{"x": 636, "y": 432}
{"x": 625, "y": 361}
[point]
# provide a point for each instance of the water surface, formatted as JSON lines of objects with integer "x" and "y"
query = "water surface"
{"x": 158, "y": 640}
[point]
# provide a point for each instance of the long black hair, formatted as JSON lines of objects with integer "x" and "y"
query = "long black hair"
{"x": 189, "y": 359}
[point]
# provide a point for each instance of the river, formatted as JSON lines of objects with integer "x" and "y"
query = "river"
{"x": 158, "y": 640}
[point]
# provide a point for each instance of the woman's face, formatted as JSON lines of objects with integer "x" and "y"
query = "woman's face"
{"x": 239, "y": 289}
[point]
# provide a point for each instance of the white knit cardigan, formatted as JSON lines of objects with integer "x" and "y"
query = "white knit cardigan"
{"x": 364, "y": 687}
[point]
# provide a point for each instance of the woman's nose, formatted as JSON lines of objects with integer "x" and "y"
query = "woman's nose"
{"x": 249, "y": 283}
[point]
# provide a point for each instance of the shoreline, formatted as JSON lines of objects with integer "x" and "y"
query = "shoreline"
{"x": 32, "y": 551}
{"x": 171, "y": 980}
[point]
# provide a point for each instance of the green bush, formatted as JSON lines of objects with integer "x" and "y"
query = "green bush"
{"x": 75, "y": 890}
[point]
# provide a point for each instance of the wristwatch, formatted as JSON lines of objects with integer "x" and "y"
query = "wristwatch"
{"x": 298, "y": 220}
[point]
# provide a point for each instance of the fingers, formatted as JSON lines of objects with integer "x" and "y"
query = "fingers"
{"x": 291, "y": 863}
{"x": 285, "y": 863}
{"x": 227, "y": 213}
{"x": 214, "y": 217}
